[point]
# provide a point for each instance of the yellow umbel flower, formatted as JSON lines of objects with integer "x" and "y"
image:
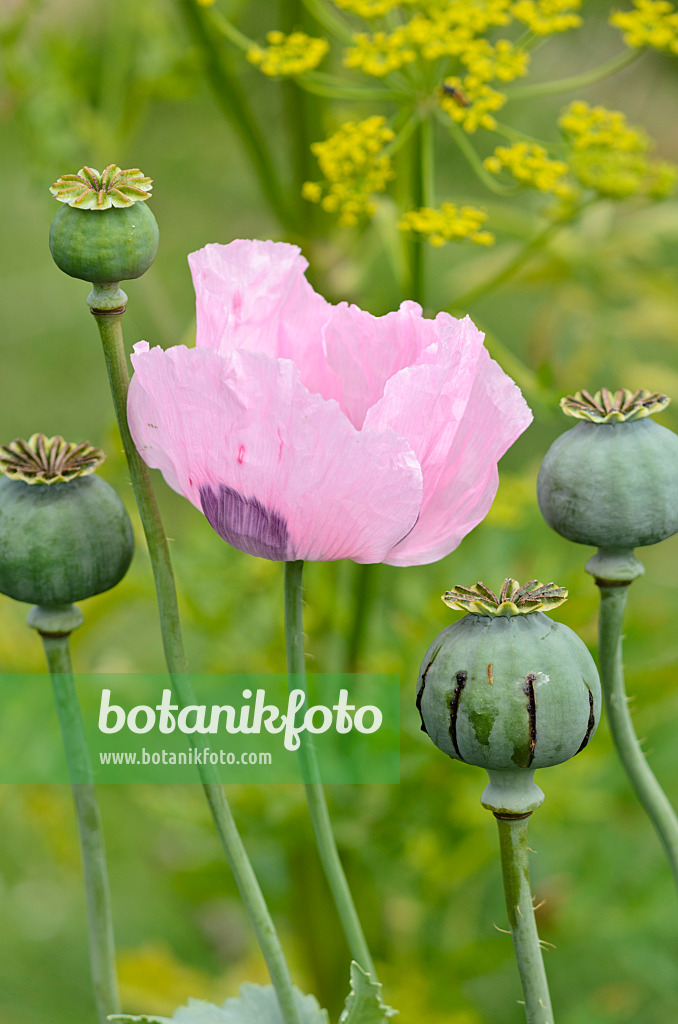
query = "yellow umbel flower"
{"x": 653, "y": 23}
{"x": 354, "y": 168}
{"x": 531, "y": 165}
{"x": 610, "y": 156}
{"x": 370, "y": 8}
{"x": 448, "y": 224}
{"x": 380, "y": 53}
{"x": 437, "y": 37}
{"x": 470, "y": 103}
{"x": 544, "y": 17}
{"x": 288, "y": 55}
{"x": 486, "y": 62}
{"x": 588, "y": 127}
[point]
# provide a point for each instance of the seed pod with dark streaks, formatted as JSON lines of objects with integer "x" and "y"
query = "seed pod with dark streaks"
{"x": 506, "y": 688}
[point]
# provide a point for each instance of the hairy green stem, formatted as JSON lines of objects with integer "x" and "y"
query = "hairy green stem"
{"x": 516, "y": 874}
{"x": 110, "y": 329}
{"x": 232, "y": 100}
{"x": 613, "y": 597}
{"x": 315, "y": 794}
{"x": 610, "y": 67}
{"x": 95, "y": 871}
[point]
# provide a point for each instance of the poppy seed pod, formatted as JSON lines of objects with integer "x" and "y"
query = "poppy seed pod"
{"x": 506, "y": 688}
{"x": 612, "y": 481}
{"x": 64, "y": 534}
{"x": 104, "y": 232}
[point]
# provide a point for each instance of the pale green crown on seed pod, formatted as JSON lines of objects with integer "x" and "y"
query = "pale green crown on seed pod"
{"x": 91, "y": 190}
{"x": 48, "y": 460}
{"x": 622, "y": 406}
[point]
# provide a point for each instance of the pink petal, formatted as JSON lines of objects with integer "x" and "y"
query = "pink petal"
{"x": 279, "y": 472}
{"x": 365, "y": 351}
{"x": 254, "y": 295}
{"x": 459, "y": 412}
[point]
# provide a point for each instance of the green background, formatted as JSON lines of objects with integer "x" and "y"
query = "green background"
{"x": 599, "y": 306}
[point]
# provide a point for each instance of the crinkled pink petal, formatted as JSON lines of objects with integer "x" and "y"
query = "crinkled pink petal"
{"x": 278, "y": 471}
{"x": 365, "y": 351}
{"x": 254, "y": 295}
{"x": 460, "y": 412}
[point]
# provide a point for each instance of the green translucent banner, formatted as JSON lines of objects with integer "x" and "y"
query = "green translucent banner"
{"x": 248, "y": 727}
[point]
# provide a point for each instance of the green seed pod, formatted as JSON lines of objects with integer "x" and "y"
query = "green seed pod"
{"x": 612, "y": 481}
{"x": 506, "y": 688}
{"x": 64, "y": 534}
{"x": 104, "y": 233}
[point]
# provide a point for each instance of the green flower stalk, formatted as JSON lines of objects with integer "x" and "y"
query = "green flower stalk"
{"x": 65, "y": 536}
{"x": 509, "y": 690}
{"x": 130, "y": 253}
{"x": 612, "y": 482}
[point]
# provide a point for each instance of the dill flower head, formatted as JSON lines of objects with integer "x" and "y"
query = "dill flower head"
{"x": 380, "y": 53}
{"x": 531, "y": 165}
{"x": 546, "y": 17}
{"x": 653, "y": 23}
{"x": 370, "y": 8}
{"x": 354, "y": 166}
{"x": 609, "y": 155}
{"x": 288, "y": 55}
{"x": 448, "y": 224}
{"x": 475, "y": 109}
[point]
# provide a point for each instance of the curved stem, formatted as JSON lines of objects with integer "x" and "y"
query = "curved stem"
{"x": 474, "y": 161}
{"x": 467, "y": 299}
{"x": 110, "y": 329}
{"x": 315, "y": 794}
{"x": 95, "y": 871}
{"x": 610, "y": 67}
{"x": 516, "y": 874}
{"x": 332, "y": 87}
{"x": 231, "y": 97}
{"x": 329, "y": 18}
{"x": 613, "y": 597}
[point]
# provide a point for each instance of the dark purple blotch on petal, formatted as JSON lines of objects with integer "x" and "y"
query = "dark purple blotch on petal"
{"x": 246, "y": 523}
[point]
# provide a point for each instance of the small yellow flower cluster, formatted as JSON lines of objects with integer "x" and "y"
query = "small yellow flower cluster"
{"x": 610, "y": 156}
{"x": 653, "y": 23}
{"x": 380, "y": 53}
{"x": 621, "y": 175}
{"x": 441, "y": 28}
{"x": 486, "y": 62}
{"x": 288, "y": 55}
{"x": 448, "y": 224}
{"x": 469, "y": 104}
{"x": 354, "y": 167}
{"x": 545, "y": 17}
{"x": 531, "y": 165}
{"x": 370, "y": 8}
{"x": 597, "y": 127}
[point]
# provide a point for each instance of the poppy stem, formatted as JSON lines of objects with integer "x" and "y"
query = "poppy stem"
{"x": 110, "y": 329}
{"x": 315, "y": 794}
{"x": 516, "y": 875}
{"x": 95, "y": 871}
{"x": 613, "y": 597}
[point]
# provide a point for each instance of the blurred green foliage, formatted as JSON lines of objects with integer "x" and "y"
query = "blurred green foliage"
{"x": 598, "y": 305}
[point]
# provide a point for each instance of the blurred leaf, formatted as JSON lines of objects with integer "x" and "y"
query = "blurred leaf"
{"x": 255, "y": 1004}
{"x": 364, "y": 1004}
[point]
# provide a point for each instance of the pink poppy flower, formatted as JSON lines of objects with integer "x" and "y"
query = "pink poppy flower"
{"x": 305, "y": 430}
